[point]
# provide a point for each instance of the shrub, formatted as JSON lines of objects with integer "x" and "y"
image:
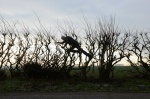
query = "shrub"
{"x": 32, "y": 70}
{"x": 2, "y": 74}
{"x": 52, "y": 73}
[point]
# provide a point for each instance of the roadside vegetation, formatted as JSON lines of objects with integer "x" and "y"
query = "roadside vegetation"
{"x": 36, "y": 62}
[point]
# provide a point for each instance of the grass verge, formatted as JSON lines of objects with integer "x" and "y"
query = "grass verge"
{"x": 40, "y": 85}
{"x": 124, "y": 81}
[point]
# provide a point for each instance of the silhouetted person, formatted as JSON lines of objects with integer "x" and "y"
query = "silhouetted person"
{"x": 73, "y": 44}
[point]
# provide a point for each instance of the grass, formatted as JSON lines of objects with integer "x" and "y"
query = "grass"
{"x": 124, "y": 81}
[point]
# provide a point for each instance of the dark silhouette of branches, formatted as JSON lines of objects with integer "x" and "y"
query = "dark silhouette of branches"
{"x": 140, "y": 47}
{"x": 100, "y": 45}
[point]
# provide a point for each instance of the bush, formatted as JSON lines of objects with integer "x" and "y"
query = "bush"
{"x": 33, "y": 70}
{"x": 52, "y": 73}
{"x": 2, "y": 74}
{"x": 56, "y": 72}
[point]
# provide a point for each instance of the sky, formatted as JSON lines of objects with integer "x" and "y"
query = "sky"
{"x": 128, "y": 13}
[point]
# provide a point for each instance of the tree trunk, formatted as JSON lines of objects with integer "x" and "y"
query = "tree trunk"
{"x": 105, "y": 73}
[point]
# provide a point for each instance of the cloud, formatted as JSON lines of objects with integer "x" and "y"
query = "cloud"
{"x": 129, "y": 12}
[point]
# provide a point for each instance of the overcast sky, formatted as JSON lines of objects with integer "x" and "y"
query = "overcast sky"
{"x": 128, "y": 13}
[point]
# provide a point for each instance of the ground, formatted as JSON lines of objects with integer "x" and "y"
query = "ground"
{"x": 74, "y": 95}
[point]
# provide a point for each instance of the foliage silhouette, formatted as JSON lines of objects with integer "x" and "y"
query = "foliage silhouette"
{"x": 40, "y": 56}
{"x": 2, "y": 75}
{"x": 32, "y": 70}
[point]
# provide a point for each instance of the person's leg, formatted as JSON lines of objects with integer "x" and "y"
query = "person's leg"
{"x": 84, "y": 52}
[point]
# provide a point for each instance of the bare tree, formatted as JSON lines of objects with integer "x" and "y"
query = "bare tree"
{"x": 140, "y": 48}
{"x": 111, "y": 46}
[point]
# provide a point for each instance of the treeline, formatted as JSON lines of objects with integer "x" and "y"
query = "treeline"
{"x": 38, "y": 55}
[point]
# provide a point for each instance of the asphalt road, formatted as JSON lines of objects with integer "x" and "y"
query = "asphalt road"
{"x": 75, "y": 95}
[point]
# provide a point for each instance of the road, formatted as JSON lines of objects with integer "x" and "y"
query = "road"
{"x": 75, "y": 95}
